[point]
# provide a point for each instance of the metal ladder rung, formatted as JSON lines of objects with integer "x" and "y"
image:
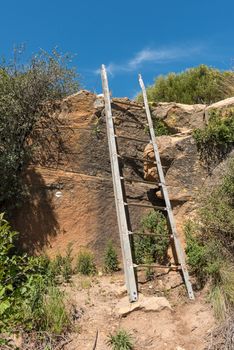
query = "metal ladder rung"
{"x": 122, "y": 156}
{"x": 132, "y": 139}
{"x": 128, "y": 179}
{"x": 133, "y": 204}
{"x": 150, "y": 234}
{"x": 124, "y": 119}
{"x": 157, "y": 266}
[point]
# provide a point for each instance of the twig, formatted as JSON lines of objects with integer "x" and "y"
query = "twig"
{"x": 61, "y": 346}
{"x": 95, "y": 343}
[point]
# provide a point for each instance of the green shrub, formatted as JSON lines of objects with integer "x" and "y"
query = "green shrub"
{"x": 160, "y": 128}
{"x": 204, "y": 256}
{"x": 55, "y": 267}
{"x": 200, "y": 84}
{"x": 111, "y": 263}
{"x": 44, "y": 308}
{"x": 121, "y": 340}
{"x": 26, "y": 288}
{"x": 217, "y": 210}
{"x": 210, "y": 243}
{"x": 66, "y": 264}
{"x": 152, "y": 248}
{"x": 60, "y": 268}
{"x": 208, "y": 261}
{"x": 85, "y": 263}
{"x": 217, "y": 138}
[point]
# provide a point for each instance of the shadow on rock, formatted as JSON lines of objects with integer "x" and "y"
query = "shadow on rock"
{"x": 35, "y": 219}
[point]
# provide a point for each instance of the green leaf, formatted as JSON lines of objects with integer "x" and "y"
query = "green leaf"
{"x": 4, "y": 305}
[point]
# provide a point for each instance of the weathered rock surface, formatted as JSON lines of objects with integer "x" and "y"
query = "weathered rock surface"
{"x": 180, "y": 160}
{"x": 227, "y": 103}
{"x": 180, "y": 117}
{"x": 156, "y": 304}
{"x": 70, "y": 187}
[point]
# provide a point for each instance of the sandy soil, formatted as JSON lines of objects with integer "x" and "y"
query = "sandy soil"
{"x": 93, "y": 300}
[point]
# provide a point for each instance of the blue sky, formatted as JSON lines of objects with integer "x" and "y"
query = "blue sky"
{"x": 130, "y": 37}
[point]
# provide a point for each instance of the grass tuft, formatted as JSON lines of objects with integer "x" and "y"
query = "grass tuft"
{"x": 121, "y": 340}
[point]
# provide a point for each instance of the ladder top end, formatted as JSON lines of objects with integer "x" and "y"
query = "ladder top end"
{"x": 141, "y": 82}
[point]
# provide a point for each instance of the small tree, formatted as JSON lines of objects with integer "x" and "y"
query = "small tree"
{"x": 111, "y": 263}
{"x": 85, "y": 263}
{"x": 29, "y": 97}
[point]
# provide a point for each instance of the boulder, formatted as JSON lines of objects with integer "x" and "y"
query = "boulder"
{"x": 224, "y": 105}
{"x": 180, "y": 117}
{"x": 154, "y": 304}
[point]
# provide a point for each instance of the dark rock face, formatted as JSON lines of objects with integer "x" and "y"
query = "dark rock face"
{"x": 71, "y": 195}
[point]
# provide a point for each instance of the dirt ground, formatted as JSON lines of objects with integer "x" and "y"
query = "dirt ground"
{"x": 93, "y": 300}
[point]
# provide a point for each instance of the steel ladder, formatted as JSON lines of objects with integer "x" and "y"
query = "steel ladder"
{"x": 122, "y": 206}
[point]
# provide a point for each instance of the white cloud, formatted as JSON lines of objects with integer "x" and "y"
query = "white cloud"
{"x": 149, "y": 55}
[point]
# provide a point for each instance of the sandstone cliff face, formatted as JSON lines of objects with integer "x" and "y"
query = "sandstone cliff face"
{"x": 71, "y": 197}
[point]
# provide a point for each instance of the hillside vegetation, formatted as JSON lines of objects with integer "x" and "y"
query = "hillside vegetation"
{"x": 200, "y": 84}
{"x": 210, "y": 243}
{"x": 210, "y": 238}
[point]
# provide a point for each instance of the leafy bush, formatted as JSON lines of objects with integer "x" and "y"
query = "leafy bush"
{"x": 121, "y": 340}
{"x": 85, "y": 263}
{"x": 160, "y": 128}
{"x": 200, "y": 84}
{"x": 207, "y": 260}
{"x": 217, "y": 211}
{"x": 152, "y": 248}
{"x": 217, "y": 138}
{"x": 111, "y": 263}
{"x": 204, "y": 256}
{"x": 62, "y": 265}
{"x": 27, "y": 289}
{"x": 210, "y": 243}
{"x": 29, "y": 97}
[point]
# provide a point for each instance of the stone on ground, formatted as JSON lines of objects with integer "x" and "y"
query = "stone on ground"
{"x": 124, "y": 307}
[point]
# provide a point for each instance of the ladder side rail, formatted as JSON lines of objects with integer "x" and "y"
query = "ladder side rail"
{"x": 178, "y": 247}
{"x": 108, "y": 116}
{"x": 129, "y": 271}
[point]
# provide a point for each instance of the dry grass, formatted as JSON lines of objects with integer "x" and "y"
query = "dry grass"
{"x": 222, "y": 338}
